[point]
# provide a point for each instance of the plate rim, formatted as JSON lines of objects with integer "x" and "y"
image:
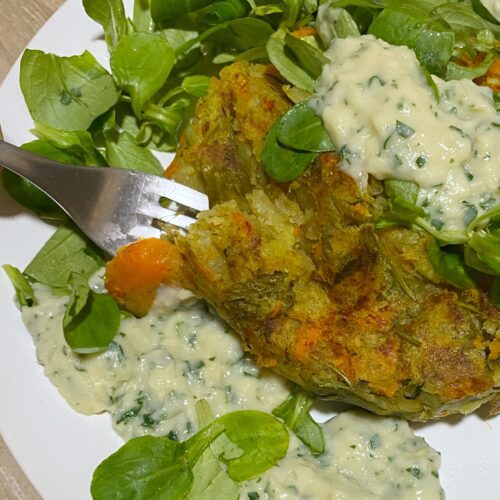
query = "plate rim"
{"x": 100, "y": 424}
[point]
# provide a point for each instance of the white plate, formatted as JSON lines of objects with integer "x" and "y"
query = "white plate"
{"x": 57, "y": 448}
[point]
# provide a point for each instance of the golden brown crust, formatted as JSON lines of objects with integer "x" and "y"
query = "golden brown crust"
{"x": 316, "y": 293}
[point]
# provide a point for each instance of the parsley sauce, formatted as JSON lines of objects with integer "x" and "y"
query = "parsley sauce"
{"x": 382, "y": 113}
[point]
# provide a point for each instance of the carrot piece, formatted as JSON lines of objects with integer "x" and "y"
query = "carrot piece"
{"x": 135, "y": 273}
{"x": 305, "y": 31}
{"x": 492, "y": 77}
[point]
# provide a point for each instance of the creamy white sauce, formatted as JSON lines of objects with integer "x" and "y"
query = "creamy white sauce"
{"x": 381, "y": 112}
{"x": 158, "y": 367}
{"x": 493, "y": 7}
{"x": 367, "y": 457}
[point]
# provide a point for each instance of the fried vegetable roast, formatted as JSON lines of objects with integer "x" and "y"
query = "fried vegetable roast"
{"x": 319, "y": 295}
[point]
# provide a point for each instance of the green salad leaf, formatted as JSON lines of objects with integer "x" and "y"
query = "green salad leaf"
{"x": 166, "y": 10}
{"x": 91, "y": 320}
{"x": 432, "y": 42}
{"x": 483, "y": 11}
{"x": 483, "y": 245}
{"x": 338, "y": 23}
{"x": 67, "y": 252}
{"x": 219, "y": 12}
{"x": 286, "y": 65}
{"x": 456, "y": 71}
{"x": 123, "y": 152}
{"x": 402, "y": 197}
{"x": 78, "y": 145}
{"x": 300, "y": 128}
{"x": 141, "y": 63}
{"x": 240, "y": 35}
{"x": 196, "y": 85}
{"x": 263, "y": 439}
{"x": 294, "y": 411}
{"x": 24, "y": 291}
{"x": 110, "y": 14}
{"x": 281, "y": 163}
{"x": 142, "y": 19}
{"x": 67, "y": 93}
{"x": 80, "y": 292}
{"x": 211, "y": 480}
{"x": 149, "y": 467}
{"x": 451, "y": 266}
{"x": 53, "y": 150}
{"x": 158, "y": 468}
{"x": 309, "y": 57}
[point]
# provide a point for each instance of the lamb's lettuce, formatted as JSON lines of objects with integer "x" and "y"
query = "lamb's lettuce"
{"x": 67, "y": 252}
{"x": 281, "y": 163}
{"x": 110, "y": 14}
{"x": 301, "y": 129}
{"x": 294, "y": 411}
{"x": 24, "y": 291}
{"x": 432, "y": 42}
{"x": 211, "y": 479}
{"x": 91, "y": 320}
{"x": 122, "y": 151}
{"x": 141, "y": 63}
{"x": 67, "y": 93}
{"x": 157, "y": 467}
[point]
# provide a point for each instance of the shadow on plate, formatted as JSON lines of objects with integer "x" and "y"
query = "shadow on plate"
{"x": 482, "y": 413}
{"x": 8, "y": 207}
{"x": 324, "y": 409}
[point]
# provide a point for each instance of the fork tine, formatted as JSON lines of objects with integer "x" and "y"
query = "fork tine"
{"x": 179, "y": 193}
{"x": 145, "y": 232}
{"x": 166, "y": 215}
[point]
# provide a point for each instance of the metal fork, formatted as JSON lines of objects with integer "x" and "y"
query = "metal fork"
{"x": 112, "y": 206}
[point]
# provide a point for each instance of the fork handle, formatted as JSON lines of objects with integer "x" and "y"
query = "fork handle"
{"x": 82, "y": 192}
{"x": 53, "y": 178}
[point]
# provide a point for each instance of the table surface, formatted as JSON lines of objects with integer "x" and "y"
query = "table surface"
{"x": 19, "y": 21}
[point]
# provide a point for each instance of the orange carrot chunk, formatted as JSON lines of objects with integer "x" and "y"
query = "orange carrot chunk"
{"x": 135, "y": 273}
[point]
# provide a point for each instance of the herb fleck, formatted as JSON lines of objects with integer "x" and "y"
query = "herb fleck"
{"x": 415, "y": 471}
{"x": 404, "y": 130}
{"x": 421, "y": 161}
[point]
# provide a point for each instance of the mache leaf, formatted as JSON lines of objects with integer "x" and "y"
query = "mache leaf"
{"x": 289, "y": 69}
{"x": 148, "y": 467}
{"x": 165, "y": 10}
{"x": 310, "y": 58}
{"x": 196, "y": 85}
{"x": 219, "y": 12}
{"x": 263, "y": 439}
{"x": 141, "y": 63}
{"x": 451, "y": 267}
{"x": 67, "y": 252}
{"x": 110, "y": 14}
{"x": 24, "y": 291}
{"x": 67, "y": 93}
{"x": 281, "y": 163}
{"x": 300, "y": 128}
{"x": 142, "y": 18}
{"x": 432, "y": 42}
{"x": 294, "y": 411}
{"x": 123, "y": 152}
{"x": 78, "y": 145}
{"x": 210, "y": 479}
{"x": 92, "y": 319}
